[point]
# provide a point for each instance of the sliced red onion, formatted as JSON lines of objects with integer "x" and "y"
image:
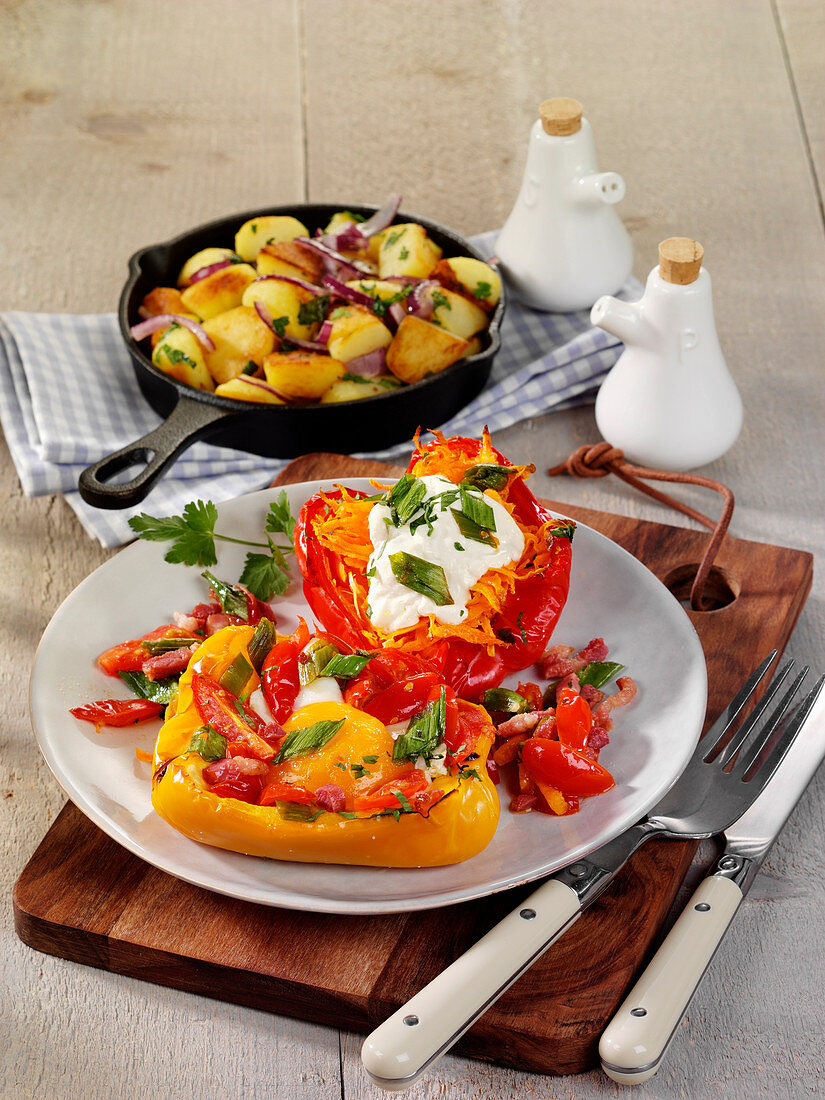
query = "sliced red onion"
{"x": 348, "y": 239}
{"x": 209, "y": 269}
{"x": 324, "y": 332}
{"x": 336, "y": 263}
{"x": 164, "y": 320}
{"x": 369, "y": 365}
{"x": 420, "y": 299}
{"x": 313, "y": 287}
{"x": 348, "y": 292}
{"x": 259, "y": 382}
{"x": 381, "y": 218}
{"x": 307, "y": 345}
{"x": 398, "y": 311}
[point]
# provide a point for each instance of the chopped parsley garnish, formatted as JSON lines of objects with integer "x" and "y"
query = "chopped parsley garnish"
{"x": 440, "y": 299}
{"x": 279, "y": 324}
{"x": 458, "y": 546}
{"x": 359, "y": 771}
{"x": 404, "y": 254}
{"x": 564, "y": 529}
{"x": 370, "y": 759}
{"x": 340, "y": 311}
{"x": 421, "y": 576}
{"x": 521, "y": 629}
{"x": 394, "y": 237}
{"x": 175, "y": 355}
{"x": 250, "y": 368}
{"x": 482, "y": 290}
{"x": 313, "y": 311}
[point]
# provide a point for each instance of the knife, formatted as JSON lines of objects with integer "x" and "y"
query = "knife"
{"x": 635, "y": 1042}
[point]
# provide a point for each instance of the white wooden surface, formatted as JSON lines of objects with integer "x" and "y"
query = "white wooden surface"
{"x": 123, "y": 123}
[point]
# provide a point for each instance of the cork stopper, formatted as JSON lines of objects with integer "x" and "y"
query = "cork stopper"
{"x": 561, "y": 117}
{"x": 680, "y": 259}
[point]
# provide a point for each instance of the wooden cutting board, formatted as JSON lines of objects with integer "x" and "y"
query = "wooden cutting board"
{"x": 84, "y": 898}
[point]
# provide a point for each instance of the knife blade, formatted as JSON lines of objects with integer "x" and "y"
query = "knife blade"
{"x": 634, "y": 1043}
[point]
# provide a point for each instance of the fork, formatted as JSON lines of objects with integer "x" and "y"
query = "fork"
{"x": 729, "y": 768}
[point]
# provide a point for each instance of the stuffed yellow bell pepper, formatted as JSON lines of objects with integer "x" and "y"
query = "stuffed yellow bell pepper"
{"x": 262, "y": 753}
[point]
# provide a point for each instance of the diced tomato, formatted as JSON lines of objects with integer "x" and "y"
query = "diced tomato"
{"x": 532, "y": 693}
{"x": 220, "y": 709}
{"x": 118, "y": 712}
{"x": 285, "y": 792}
{"x": 245, "y": 788}
{"x": 569, "y": 771}
{"x": 470, "y": 724}
{"x": 385, "y": 797}
{"x": 574, "y": 719}
{"x": 129, "y": 656}
{"x": 279, "y": 675}
{"x": 402, "y": 699}
{"x": 423, "y": 801}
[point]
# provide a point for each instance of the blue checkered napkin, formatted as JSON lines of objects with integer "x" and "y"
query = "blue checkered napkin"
{"x": 69, "y": 397}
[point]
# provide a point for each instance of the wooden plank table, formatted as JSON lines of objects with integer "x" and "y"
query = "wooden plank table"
{"x": 121, "y": 125}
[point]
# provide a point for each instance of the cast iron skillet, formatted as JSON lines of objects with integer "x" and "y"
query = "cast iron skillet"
{"x": 277, "y": 431}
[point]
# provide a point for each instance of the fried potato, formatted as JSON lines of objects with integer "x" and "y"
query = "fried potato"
{"x": 407, "y": 250}
{"x": 204, "y": 258}
{"x": 266, "y": 229}
{"x": 243, "y": 390}
{"x": 457, "y": 314}
{"x": 179, "y": 354}
{"x": 218, "y": 292}
{"x": 295, "y": 312}
{"x": 305, "y": 376}
{"x": 420, "y": 348}
{"x": 240, "y": 337}
{"x": 476, "y": 280}
{"x": 352, "y": 389}
{"x": 356, "y": 331}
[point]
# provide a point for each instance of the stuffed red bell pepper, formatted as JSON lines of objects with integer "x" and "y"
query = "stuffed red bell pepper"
{"x": 457, "y": 563}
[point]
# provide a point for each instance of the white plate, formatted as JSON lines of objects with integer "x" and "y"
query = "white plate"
{"x": 611, "y": 595}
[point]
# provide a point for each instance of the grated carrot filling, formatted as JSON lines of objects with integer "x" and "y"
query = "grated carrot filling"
{"x": 344, "y": 532}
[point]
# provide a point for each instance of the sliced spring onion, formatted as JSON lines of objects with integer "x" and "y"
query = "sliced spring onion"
{"x": 471, "y": 530}
{"x": 421, "y": 576}
{"x": 231, "y": 599}
{"x": 261, "y": 642}
{"x": 563, "y": 529}
{"x": 307, "y": 740}
{"x": 504, "y": 701}
{"x": 488, "y": 475}
{"x": 312, "y": 658}
{"x": 208, "y": 743}
{"x": 236, "y": 676}
{"x": 424, "y": 733}
{"x": 345, "y": 666}
{"x": 154, "y": 646}
{"x": 159, "y": 691}
{"x": 405, "y": 499}
{"x": 297, "y": 811}
{"x": 598, "y": 673}
{"x": 476, "y": 508}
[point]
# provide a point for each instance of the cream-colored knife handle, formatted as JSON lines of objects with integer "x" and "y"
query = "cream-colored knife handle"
{"x": 635, "y": 1041}
{"x": 425, "y": 1028}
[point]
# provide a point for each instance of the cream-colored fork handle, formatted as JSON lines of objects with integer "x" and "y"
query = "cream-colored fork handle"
{"x": 425, "y": 1028}
{"x": 634, "y": 1043}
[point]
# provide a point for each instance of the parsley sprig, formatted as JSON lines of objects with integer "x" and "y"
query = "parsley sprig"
{"x": 193, "y": 536}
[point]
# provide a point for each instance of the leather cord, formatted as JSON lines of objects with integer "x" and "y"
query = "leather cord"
{"x": 601, "y": 459}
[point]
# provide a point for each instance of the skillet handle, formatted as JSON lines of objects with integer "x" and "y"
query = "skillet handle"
{"x": 188, "y": 422}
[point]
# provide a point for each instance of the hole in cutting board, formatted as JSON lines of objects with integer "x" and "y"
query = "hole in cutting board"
{"x": 721, "y": 589}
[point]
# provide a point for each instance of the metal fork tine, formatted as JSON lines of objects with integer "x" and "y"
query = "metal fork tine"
{"x": 720, "y": 727}
{"x": 773, "y": 759}
{"x": 743, "y": 733}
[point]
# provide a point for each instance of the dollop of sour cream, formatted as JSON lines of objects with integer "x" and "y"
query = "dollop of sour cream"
{"x": 393, "y": 606}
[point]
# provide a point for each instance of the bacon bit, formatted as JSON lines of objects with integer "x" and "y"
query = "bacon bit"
{"x": 591, "y": 695}
{"x": 625, "y": 694}
{"x": 521, "y": 723}
{"x": 272, "y": 732}
{"x": 187, "y": 622}
{"x": 598, "y": 738}
{"x": 559, "y": 662}
{"x": 331, "y": 797}
{"x": 507, "y": 752}
{"x": 523, "y": 803}
{"x": 144, "y": 757}
{"x": 226, "y": 771}
{"x": 167, "y": 664}
{"x": 216, "y": 622}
